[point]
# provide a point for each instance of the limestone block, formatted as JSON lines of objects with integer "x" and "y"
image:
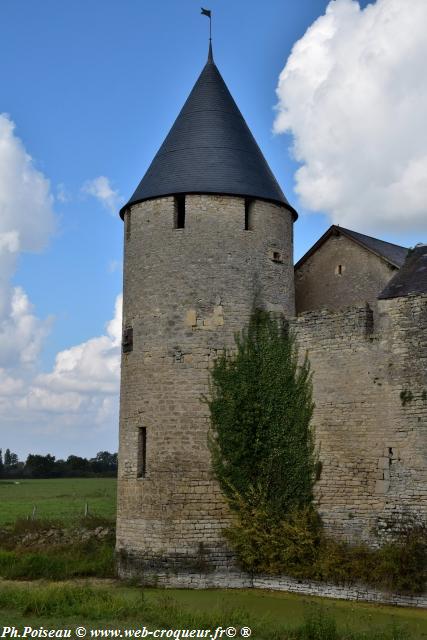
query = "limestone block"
{"x": 191, "y": 318}
{"x": 382, "y": 486}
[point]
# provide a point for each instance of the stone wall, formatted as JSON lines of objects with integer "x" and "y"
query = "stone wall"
{"x": 320, "y": 282}
{"x": 186, "y": 292}
{"x": 239, "y": 580}
{"x": 370, "y": 390}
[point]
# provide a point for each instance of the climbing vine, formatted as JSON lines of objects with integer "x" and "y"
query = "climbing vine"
{"x": 261, "y": 406}
{"x": 264, "y": 458}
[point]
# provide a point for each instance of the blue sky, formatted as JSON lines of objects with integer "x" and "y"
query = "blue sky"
{"x": 93, "y": 88}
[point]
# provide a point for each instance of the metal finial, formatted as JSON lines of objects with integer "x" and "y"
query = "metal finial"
{"x": 208, "y": 13}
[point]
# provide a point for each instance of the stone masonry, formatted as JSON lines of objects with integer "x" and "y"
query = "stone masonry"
{"x": 208, "y": 239}
{"x": 186, "y": 292}
{"x": 340, "y": 273}
{"x": 370, "y": 391}
{"x": 184, "y": 303}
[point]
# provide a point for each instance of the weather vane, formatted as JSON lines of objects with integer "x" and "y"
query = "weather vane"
{"x": 208, "y": 13}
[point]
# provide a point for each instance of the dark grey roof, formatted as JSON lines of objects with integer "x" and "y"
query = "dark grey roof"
{"x": 394, "y": 254}
{"x": 209, "y": 149}
{"x": 411, "y": 278}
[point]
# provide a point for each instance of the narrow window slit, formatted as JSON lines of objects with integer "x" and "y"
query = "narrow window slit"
{"x": 179, "y": 212}
{"x": 128, "y": 223}
{"x": 142, "y": 452}
{"x": 248, "y": 214}
{"x": 127, "y": 340}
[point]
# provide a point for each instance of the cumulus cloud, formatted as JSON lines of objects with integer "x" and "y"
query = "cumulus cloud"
{"x": 353, "y": 94}
{"x": 101, "y": 189}
{"x": 74, "y": 407}
{"x": 21, "y": 332}
{"x": 70, "y": 408}
{"x": 26, "y": 224}
{"x": 23, "y": 190}
{"x": 92, "y": 367}
{"x": 84, "y": 380}
{"x": 9, "y": 386}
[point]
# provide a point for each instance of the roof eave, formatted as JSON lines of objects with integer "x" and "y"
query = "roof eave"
{"x": 280, "y": 203}
{"x": 331, "y": 231}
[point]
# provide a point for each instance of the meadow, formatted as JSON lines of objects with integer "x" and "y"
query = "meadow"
{"x": 275, "y": 616}
{"x": 61, "y": 499}
{"x": 78, "y": 585}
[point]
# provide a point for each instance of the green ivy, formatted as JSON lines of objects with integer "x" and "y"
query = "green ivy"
{"x": 261, "y": 406}
{"x": 264, "y": 458}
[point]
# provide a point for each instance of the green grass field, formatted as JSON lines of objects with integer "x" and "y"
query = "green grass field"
{"x": 108, "y": 603}
{"x": 57, "y": 499}
{"x": 275, "y": 616}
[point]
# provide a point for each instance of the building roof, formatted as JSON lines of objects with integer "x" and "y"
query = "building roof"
{"x": 210, "y": 149}
{"x": 411, "y": 278}
{"x": 394, "y": 254}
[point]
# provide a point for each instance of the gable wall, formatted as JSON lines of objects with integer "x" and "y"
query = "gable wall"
{"x": 318, "y": 285}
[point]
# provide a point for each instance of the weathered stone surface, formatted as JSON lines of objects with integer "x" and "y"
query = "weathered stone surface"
{"x": 232, "y": 579}
{"x": 340, "y": 273}
{"x": 373, "y": 445}
{"x": 186, "y": 292}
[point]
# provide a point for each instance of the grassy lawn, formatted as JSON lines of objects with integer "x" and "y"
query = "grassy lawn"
{"x": 270, "y": 615}
{"x": 110, "y": 604}
{"x": 285, "y": 608}
{"x": 57, "y": 499}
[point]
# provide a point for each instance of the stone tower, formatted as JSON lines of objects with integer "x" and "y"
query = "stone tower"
{"x": 208, "y": 236}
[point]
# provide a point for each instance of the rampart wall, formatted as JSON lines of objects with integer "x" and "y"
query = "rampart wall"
{"x": 370, "y": 391}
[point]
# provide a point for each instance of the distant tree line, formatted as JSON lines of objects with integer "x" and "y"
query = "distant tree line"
{"x": 37, "y": 466}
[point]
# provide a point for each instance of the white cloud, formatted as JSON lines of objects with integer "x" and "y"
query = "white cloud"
{"x": 70, "y": 408}
{"x": 92, "y": 367}
{"x": 101, "y": 189}
{"x": 354, "y": 95}
{"x": 9, "y": 386}
{"x": 25, "y": 198}
{"x": 26, "y": 224}
{"x": 21, "y": 332}
{"x": 73, "y": 408}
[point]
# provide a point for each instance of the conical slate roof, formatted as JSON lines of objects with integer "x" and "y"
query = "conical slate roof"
{"x": 209, "y": 149}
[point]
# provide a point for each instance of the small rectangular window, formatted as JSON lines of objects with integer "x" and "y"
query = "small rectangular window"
{"x": 179, "y": 212}
{"x": 127, "y": 340}
{"x": 128, "y": 225}
{"x": 248, "y": 214}
{"x": 142, "y": 452}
